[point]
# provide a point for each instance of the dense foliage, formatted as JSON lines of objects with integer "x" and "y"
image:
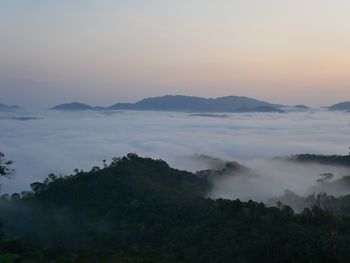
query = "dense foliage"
{"x": 5, "y": 169}
{"x": 343, "y": 160}
{"x": 141, "y": 210}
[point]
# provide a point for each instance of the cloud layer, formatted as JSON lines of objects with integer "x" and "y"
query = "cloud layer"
{"x": 59, "y": 142}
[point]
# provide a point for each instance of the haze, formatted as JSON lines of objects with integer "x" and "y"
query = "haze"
{"x": 59, "y": 142}
{"x": 102, "y": 52}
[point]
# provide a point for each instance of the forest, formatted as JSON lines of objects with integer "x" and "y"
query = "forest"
{"x": 138, "y": 209}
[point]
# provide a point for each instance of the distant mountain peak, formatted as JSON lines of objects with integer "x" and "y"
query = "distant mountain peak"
{"x": 72, "y": 106}
{"x": 4, "y": 107}
{"x": 198, "y": 104}
{"x": 300, "y": 106}
{"x": 342, "y": 106}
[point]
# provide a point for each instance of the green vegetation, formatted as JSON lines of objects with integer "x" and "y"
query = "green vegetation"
{"x": 343, "y": 160}
{"x": 141, "y": 210}
{"x": 5, "y": 169}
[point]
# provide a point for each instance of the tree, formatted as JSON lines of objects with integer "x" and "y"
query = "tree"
{"x": 15, "y": 196}
{"x": 95, "y": 169}
{"x": 37, "y": 187}
{"x": 5, "y": 169}
{"x": 325, "y": 177}
{"x": 52, "y": 177}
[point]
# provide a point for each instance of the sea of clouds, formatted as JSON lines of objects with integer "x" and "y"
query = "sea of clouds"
{"x": 43, "y": 142}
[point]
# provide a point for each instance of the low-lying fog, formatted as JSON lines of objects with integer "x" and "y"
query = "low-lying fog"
{"x": 59, "y": 142}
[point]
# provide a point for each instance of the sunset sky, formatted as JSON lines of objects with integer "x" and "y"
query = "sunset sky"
{"x": 107, "y": 51}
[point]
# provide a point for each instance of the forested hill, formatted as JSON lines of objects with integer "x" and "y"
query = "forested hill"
{"x": 342, "y": 160}
{"x": 141, "y": 210}
{"x": 125, "y": 180}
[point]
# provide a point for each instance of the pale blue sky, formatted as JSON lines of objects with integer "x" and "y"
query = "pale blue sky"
{"x": 105, "y": 51}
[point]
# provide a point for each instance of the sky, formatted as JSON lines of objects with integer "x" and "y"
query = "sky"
{"x": 107, "y": 51}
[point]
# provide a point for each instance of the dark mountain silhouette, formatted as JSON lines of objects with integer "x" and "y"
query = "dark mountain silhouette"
{"x": 259, "y": 109}
{"x": 302, "y": 107}
{"x": 4, "y": 107}
{"x": 340, "y": 160}
{"x": 343, "y": 106}
{"x": 74, "y": 106}
{"x": 185, "y": 103}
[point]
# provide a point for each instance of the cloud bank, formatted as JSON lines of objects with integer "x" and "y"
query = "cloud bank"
{"x": 58, "y": 142}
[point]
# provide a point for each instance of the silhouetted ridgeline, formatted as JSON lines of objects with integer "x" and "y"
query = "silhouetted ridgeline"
{"x": 302, "y": 107}
{"x": 184, "y": 103}
{"x": 8, "y": 108}
{"x": 342, "y": 160}
{"x": 141, "y": 210}
{"x": 343, "y": 106}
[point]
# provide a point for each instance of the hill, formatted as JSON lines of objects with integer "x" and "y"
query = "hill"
{"x": 186, "y": 103}
{"x": 5, "y": 108}
{"x": 340, "y": 160}
{"x": 141, "y": 210}
{"x": 74, "y": 106}
{"x": 302, "y": 107}
{"x": 343, "y": 106}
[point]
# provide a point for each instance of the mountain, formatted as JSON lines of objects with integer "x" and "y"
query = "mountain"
{"x": 302, "y": 107}
{"x": 187, "y": 103}
{"x": 74, "y": 106}
{"x": 340, "y": 160}
{"x": 259, "y": 109}
{"x": 343, "y": 106}
{"x": 4, "y": 107}
{"x": 142, "y": 210}
{"x": 184, "y": 103}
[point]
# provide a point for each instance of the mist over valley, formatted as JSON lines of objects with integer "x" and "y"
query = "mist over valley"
{"x": 58, "y": 142}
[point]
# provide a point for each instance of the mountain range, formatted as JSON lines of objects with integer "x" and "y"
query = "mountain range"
{"x": 184, "y": 103}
